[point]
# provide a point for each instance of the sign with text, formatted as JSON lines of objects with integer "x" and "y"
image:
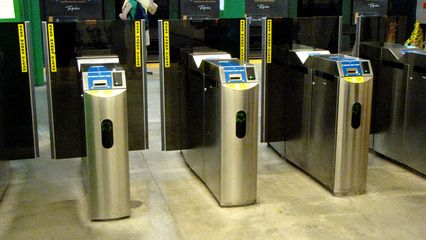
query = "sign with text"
{"x": 267, "y": 8}
{"x": 370, "y": 7}
{"x": 199, "y": 9}
{"x": 73, "y": 10}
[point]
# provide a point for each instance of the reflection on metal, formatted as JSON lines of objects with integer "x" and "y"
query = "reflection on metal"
{"x": 219, "y": 128}
{"x": 31, "y": 85}
{"x": 398, "y": 105}
{"x": 107, "y": 162}
{"x": 336, "y": 153}
{"x": 49, "y": 88}
{"x": 184, "y": 35}
{"x": 288, "y": 34}
{"x": 324, "y": 110}
{"x": 67, "y": 41}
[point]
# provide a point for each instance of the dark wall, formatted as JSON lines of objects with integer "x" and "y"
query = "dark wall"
{"x": 309, "y": 8}
{"x": 404, "y": 8}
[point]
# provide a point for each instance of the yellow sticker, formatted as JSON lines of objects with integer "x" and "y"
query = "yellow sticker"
{"x": 243, "y": 39}
{"x": 238, "y": 86}
{"x": 52, "y": 49}
{"x": 23, "y": 48}
{"x": 355, "y": 79}
{"x": 269, "y": 41}
{"x": 138, "y": 48}
{"x": 101, "y": 93}
{"x": 166, "y": 44}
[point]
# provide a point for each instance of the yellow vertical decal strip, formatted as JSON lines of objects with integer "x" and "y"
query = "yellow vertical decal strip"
{"x": 243, "y": 39}
{"x": 138, "y": 41}
{"x": 23, "y": 48}
{"x": 52, "y": 49}
{"x": 166, "y": 44}
{"x": 269, "y": 41}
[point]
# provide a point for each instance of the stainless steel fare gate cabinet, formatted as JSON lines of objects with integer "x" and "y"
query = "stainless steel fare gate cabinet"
{"x": 107, "y": 162}
{"x": 231, "y": 91}
{"x": 327, "y": 118}
{"x": 340, "y": 122}
{"x": 219, "y": 127}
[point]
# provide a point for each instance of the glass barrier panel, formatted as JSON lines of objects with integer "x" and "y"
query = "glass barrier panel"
{"x": 65, "y": 42}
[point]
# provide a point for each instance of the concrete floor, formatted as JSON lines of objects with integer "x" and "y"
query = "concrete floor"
{"x": 46, "y": 200}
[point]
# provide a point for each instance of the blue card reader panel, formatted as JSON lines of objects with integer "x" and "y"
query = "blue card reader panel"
{"x": 352, "y": 69}
{"x": 235, "y": 74}
{"x": 99, "y": 78}
{"x": 229, "y": 63}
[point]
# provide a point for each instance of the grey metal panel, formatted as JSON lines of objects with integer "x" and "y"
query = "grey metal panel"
{"x": 194, "y": 134}
{"x": 298, "y": 105}
{"x": 238, "y": 155}
{"x": 108, "y": 169}
{"x": 390, "y": 109}
{"x": 352, "y": 143}
{"x": 415, "y": 125}
{"x": 212, "y": 136}
{"x": 31, "y": 87}
{"x": 49, "y": 89}
{"x": 322, "y": 135}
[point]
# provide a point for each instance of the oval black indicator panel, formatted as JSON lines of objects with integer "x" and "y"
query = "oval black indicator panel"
{"x": 107, "y": 133}
{"x": 356, "y": 115}
{"x": 241, "y": 124}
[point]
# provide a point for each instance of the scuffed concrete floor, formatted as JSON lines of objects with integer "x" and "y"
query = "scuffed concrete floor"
{"x": 46, "y": 199}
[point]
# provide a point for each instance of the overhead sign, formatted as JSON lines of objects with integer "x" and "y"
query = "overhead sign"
{"x": 73, "y": 10}
{"x": 370, "y": 7}
{"x": 7, "y": 10}
{"x": 267, "y": 8}
{"x": 199, "y": 9}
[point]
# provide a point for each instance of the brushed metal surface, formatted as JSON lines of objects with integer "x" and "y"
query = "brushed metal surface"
{"x": 319, "y": 136}
{"x": 322, "y": 131}
{"x": 239, "y": 156}
{"x": 194, "y": 125}
{"x": 108, "y": 169}
{"x": 49, "y": 89}
{"x": 414, "y": 137}
{"x": 31, "y": 85}
{"x": 352, "y": 144}
{"x": 212, "y": 136}
{"x": 298, "y": 108}
{"x": 4, "y": 177}
{"x": 390, "y": 110}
